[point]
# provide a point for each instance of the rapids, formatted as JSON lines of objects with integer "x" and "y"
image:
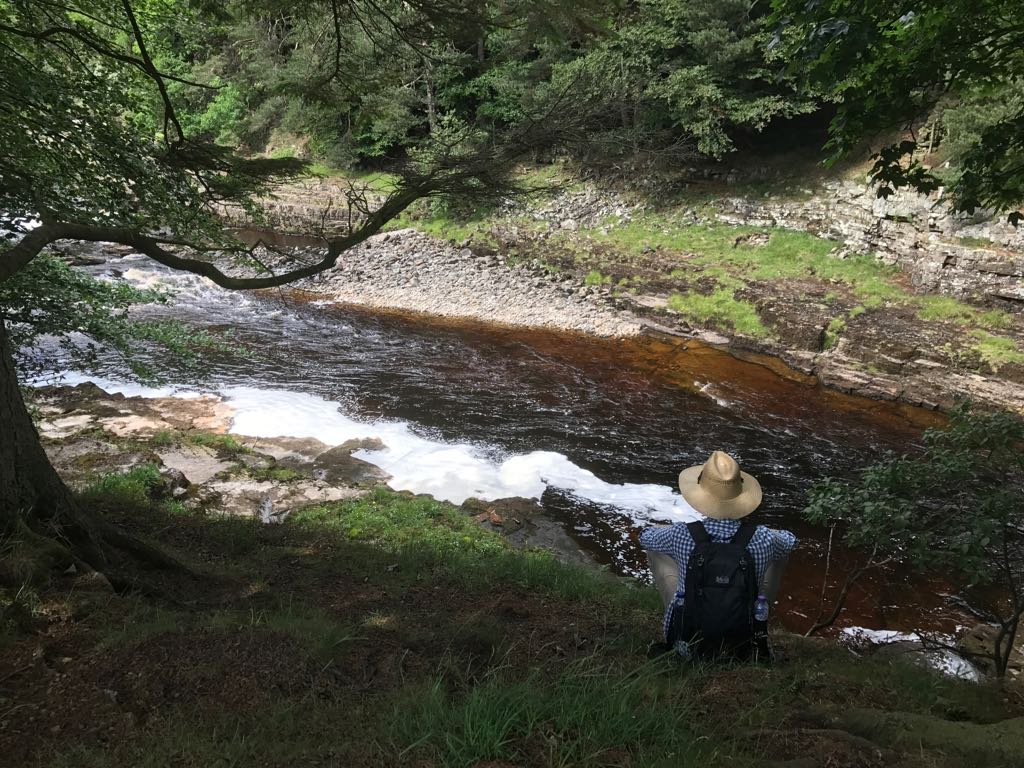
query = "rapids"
{"x": 597, "y": 430}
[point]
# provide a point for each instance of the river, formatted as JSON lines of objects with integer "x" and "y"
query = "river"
{"x": 597, "y": 429}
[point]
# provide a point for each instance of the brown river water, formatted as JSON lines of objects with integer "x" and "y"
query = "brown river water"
{"x": 630, "y": 411}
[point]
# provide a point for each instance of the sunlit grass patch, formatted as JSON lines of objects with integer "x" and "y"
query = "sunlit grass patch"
{"x": 948, "y": 308}
{"x": 445, "y": 228}
{"x": 417, "y": 536}
{"x": 997, "y": 351}
{"x": 787, "y": 254}
{"x": 720, "y": 308}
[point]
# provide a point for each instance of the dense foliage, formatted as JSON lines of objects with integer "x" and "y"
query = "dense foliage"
{"x": 890, "y": 64}
{"x": 957, "y": 508}
{"x": 81, "y": 315}
{"x": 348, "y": 83}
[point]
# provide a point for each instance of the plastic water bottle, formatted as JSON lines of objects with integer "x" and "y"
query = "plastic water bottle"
{"x": 761, "y": 608}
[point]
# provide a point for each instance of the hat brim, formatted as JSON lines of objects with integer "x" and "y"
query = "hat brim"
{"x": 719, "y": 509}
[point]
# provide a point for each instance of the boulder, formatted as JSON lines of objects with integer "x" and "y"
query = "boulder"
{"x": 197, "y": 463}
{"x": 978, "y": 644}
{"x": 337, "y": 466}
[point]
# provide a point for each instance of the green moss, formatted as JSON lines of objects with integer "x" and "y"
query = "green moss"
{"x": 833, "y": 331}
{"x": 594, "y": 277}
{"x": 721, "y": 308}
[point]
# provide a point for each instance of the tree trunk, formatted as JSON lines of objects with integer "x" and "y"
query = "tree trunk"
{"x": 39, "y": 512}
{"x": 34, "y": 501}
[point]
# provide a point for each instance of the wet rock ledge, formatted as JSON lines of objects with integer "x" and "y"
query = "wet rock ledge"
{"x": 89, "y": 433}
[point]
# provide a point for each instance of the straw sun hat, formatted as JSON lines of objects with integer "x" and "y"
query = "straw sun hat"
{"x": 718, "y": 489}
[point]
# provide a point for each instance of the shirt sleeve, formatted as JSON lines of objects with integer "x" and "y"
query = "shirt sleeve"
{"x": 782, "y": 543}
{"x": 659, "y": 539}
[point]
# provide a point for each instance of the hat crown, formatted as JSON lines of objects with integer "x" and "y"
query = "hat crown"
{"x": 719, "y": 489}
{"x": 720, "y": 476}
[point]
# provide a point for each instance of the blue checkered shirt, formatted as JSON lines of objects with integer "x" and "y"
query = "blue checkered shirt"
{"x": 766, "y": 545}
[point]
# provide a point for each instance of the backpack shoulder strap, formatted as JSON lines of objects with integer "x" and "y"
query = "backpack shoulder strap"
{"x": 744, "y": 534}
{"x": 698, "y": 532}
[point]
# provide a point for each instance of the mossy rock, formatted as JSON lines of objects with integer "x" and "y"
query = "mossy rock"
{"x": 991, "y": 744}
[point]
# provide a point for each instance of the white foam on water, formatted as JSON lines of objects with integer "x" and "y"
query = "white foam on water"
{"x": 706, "y": 389}
{"x": 449, "y": 471}
{"x": 944, "y": 660}
{"x": 115, "y": 387}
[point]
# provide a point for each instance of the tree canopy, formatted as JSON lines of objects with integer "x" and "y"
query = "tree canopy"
{"x": 956, "y": 508}
{"x": 890, "y": 64}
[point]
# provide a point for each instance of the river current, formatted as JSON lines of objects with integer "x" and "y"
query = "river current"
{"x": 597, "y": 430}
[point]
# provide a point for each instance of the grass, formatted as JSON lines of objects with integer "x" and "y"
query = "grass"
{"x": 445, "y": 228}
{"x": 594, "y": 277}
{"x": 589, "y": 715}
{"x": 788, "y": 255}
{"x": 128, "y": 489}
{"x": 997, "y": 351}
{"x": 417, "y": 533}
{"x": 720, "y": 308}
{"x": 400, "y": 651}
{"x": 221, "y": 443}
{"x": 375, "y": 181}
{"x": 946, "y": 308}
{"x": 833, "y": 331}
{"x": 163, "y": 438}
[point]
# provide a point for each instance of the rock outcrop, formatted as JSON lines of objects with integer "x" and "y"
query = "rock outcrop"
{"x": 978, "y": 257}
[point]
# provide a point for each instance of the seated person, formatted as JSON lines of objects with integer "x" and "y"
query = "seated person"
{"x": 720, "y": 560}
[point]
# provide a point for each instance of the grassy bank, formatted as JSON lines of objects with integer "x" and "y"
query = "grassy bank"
{"x": 739, "y": 280}
{"x": 393, "y": 630}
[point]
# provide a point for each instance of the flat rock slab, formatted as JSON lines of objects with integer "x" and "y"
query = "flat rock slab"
{"x": 68, "y": 410}
{"x": 338, "y": 466}
{"x": 270, "y": 501}
{"x": 291, "y": 451}
{"x": 197, "y": 463}
{"x": 65, "y": 426}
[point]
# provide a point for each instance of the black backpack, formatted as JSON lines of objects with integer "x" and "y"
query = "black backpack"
{"x": 717, "y": 616}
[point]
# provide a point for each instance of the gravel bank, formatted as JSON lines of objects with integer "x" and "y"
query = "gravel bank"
{"x": 407, "y": 270}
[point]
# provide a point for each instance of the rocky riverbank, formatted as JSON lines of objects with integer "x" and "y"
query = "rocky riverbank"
{"x": 932, "y": 320}
{"x": 185, "y": 446}
{"x": 612, "y": 264}
{"x": 407, "y": 270}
